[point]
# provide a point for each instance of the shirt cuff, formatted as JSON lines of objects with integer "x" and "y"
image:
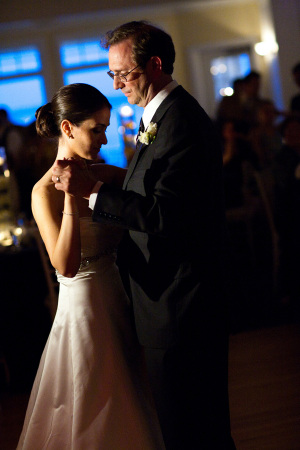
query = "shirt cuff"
{"x": 94, "y": 193}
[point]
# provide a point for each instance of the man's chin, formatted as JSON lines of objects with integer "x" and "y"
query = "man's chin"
{"x": 131, "y": 101}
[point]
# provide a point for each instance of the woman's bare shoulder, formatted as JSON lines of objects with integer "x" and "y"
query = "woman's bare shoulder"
{"x": 45, "y": 181}
{"x": 44, "y": 192}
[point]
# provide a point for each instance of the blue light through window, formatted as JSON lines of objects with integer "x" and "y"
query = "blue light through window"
{"x": 226, "y": 69}
{"x": 22, "y": 87}
{"x": 20, "y": 62}
{"x": 83, "y": 53}
{"x": 22, "y": 96}
{"x": 75, "y": 58}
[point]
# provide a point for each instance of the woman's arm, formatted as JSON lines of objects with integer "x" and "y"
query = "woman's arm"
{"x": 60, "y": 232}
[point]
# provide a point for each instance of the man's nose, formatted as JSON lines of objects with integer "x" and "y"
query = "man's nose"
{"x": 118, "y": 84}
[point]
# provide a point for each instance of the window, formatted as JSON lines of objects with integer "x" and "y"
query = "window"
{"x": 22, "y": 87}
{"x": 87, "y": 62}
{"x": 215, "y": 66}
{"x": 20, "y": 61}
{"x": 225, "y": 69}
{"x": 80, "y": 54}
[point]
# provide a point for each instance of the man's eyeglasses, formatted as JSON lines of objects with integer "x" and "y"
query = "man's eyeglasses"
{"x": 122, "y": 77}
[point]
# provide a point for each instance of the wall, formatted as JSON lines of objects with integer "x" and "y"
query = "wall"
{"x": 286, "y": 19}
{"x": 195, "y": 22}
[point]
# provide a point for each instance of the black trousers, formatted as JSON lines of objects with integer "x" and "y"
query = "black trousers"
{"x": 191, "y": 397}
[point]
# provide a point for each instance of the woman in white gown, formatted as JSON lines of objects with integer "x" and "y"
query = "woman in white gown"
{"x": 90, "y": 391}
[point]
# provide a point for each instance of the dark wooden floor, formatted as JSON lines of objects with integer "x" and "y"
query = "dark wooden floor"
{"x": 12, "y": 413}
{"x": 264, "y": 386}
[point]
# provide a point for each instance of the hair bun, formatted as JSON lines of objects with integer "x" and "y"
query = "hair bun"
{"x": 45, "y": 121}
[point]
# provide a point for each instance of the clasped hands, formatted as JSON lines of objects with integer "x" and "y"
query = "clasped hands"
{"x": 73, "y": 177}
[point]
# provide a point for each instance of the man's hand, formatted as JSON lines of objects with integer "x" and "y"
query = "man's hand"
{"x": 73, "y": 177}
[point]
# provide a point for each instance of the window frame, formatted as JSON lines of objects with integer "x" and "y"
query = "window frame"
{"x": 17, "y": 46}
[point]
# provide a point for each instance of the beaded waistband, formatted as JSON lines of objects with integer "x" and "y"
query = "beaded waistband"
{"x": 89, "y": 259}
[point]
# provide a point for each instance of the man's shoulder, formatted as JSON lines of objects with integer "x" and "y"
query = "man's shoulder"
{"x": 180, "y": 93}
{"x": 183, "y": 102}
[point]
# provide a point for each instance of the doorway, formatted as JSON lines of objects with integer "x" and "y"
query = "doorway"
{"x": 214, "y": 67}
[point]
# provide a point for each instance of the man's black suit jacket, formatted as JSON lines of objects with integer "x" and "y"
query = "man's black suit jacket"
{"x": 172, "y": 208}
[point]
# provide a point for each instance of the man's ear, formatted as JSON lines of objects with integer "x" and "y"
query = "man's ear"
{"x": 66, "y": 128}
{"x": 156, "y": 64}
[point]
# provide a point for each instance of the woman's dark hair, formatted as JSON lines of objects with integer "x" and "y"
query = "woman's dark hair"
{"x": 148, "y": 41}
{"x": 75, "y": 102}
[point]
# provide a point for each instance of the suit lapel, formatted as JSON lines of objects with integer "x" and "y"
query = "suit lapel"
{"x": 139, "y": 150}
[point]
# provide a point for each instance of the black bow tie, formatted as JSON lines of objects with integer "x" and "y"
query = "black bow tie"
{"x": 141, "y": 127}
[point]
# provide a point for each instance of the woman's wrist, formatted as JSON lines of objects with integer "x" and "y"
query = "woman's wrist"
{"x": 76, "y": 213}
{"x": 70, "y": 206}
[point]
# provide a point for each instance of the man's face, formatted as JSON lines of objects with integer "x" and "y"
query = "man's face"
{"x": 136, "y": 89}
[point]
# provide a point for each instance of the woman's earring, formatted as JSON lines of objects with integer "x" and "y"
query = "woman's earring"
{"x": 70, "y": 136}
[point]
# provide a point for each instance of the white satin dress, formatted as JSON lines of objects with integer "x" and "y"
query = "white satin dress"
{"x": 90, "y": 392}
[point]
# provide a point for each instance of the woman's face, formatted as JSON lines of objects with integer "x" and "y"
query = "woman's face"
{"x": 90, "y": 135}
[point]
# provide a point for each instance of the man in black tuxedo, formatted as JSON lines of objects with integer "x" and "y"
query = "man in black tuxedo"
{"x": 172, "y": 206}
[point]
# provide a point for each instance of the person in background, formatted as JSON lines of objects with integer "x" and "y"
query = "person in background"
{"x": 172, "y": 207}
{"x": 286, "y": 169}
{"x": 239, "y": 161}
{"x": 230, "y": 107}
{"x": 27, "y": 157}
{"x": 90, "y": 391}
{"x": 12, "y": 139}
{"x": 265, "y": 137}
{"x": 251, "y": 99}
{"x": 295, "y": 101}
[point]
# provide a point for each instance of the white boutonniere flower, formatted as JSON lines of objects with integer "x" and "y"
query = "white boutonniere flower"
{"x": 148, "y": 136}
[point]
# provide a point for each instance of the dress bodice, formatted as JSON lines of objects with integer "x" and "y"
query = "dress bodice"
{"x": 98, "y": 238}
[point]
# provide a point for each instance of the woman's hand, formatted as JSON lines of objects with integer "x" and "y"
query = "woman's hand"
{"x": 73, "y": 177}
